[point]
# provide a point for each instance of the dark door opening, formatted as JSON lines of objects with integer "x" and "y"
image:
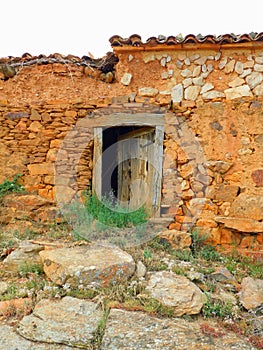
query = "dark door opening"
{"x": 110, "y": 137}
{"x": 128, "y": 165}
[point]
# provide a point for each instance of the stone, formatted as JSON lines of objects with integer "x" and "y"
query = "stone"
{"x": 222, "y": 63}
{"x": 251, "y": 293}
{"x": 213, "y": 94}
{"x": 128, "y": 330}
{"x": 239, "y": 67}
{"x": 219, "y": 166}
{"x": 90, "y": 265}
{"x": 148, "y": 92}
{"x": 245, "y": 73}
{"x": 26, "y": 253}
{"x": 186, "y": 73}
{"x": 206, "y": 87}
{"x": 238, "y": 92}
{"x": 176, "y": 291}
{"x": 247, "y": 206}
{"x": 240, "y": 224}
{"x": 196, "y": 71}
{"x": 187, "y": 82}
{"x": 178, "y": 240}
{"x": 35, "y": 126}
{"x": 41, "y": 169}
{"x": 258, "y": 67}
{"x": 221, "y": 274}
{"x": 126, "y": 79}
{"x": 68, "y": 321}
{"x": 237, "y": 82}
{"x": 191, "y": 93}
{"x": 200, "y": 61}
{"x": 229, "y": 67}
{"x": 140, "y": 269}
{"x": 198, "y": 81}
{"x": 3, "y": 287}
{"x": 254, "y": 79}
{"x": 258, "y": 91}
{"x": 21, "y": 305}
{"x": 35, "y": 115}
{"x": 257, "y": 177}
{"x": 177, "y": 93}
{"x": 226, "y": 193}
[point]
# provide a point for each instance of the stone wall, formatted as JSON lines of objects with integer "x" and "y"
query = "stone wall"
{"x": 213, "y": 149}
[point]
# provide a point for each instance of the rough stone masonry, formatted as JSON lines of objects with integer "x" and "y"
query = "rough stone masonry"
{"x": 210, "y": 91}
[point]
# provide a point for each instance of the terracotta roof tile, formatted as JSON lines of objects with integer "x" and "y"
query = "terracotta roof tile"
{"x": 135, "y": 40}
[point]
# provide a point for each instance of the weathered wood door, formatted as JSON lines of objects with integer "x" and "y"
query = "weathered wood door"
{"x": 140, "y": 169}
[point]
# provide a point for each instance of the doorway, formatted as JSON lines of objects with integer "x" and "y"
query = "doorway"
{"x": 128, "y": 165}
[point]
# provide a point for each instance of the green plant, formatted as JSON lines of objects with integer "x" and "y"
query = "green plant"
{"x": 179, "y": 270}
{"x": 198, "y": 239}
{"x": 109, "y": 213}
{"x": 152, "y": 305}
{"x": 27, "y": 268}
{"x": 184, "y": 255}
{"x": 98, "y": 334}
{"x": 216, "y": 308}
{"x": 11, "y": 186}
{"x": 208, "y": 252}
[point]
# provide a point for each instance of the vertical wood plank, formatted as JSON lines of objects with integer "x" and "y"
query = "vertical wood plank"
{"x": 97, "y": 163}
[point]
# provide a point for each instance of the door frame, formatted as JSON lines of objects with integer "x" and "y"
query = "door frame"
{"x": 130, "y": 119}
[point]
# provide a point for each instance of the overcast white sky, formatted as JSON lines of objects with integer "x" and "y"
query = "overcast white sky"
{"x": 81, "y": 27}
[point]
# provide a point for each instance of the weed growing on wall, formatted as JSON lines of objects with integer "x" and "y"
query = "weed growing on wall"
{"x": 11, "y": 186}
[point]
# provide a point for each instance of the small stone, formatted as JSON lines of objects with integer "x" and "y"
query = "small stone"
{"x": 236, "y": 82}
{"x": 3, "y": 287}
{"x": 192, "y": 92}
{"x": 163, "y": 62}
{"x": 140, "y": 269}
{"x": 186, "y": 73}
{"x": 222, "y": 63}
{"x": 245, "y": 73}
{"x": 201, "y": 61}
{"x": 126, "y": 79}
{"x": 177, "y": 93}
{"x": 238, "y": 92}
{"x": 213, "y": 94}
{"x": 258, "y": 67}
{"x": 229, "y": 67}
{"x": 187, "y": 82}
{"x": 196, "y": 71}
{"x": 198, "y": 81}
{"x": 148, "y": 92}
{"x": 239, "y": 67}
{"x": 187, "y": 62}
{"x": 176, "y": 291}
{"x": 254, "y": 79}
{"x": 251, "y": 295}
{"x": 206, "y": 87}
{"x": 257, "y": 177}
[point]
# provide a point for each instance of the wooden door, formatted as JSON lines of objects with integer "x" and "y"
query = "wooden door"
{"x": 140, "y": 169}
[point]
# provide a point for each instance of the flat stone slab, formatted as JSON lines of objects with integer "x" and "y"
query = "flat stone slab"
{"x": 10, "y": 340}
{"x": 68, "y": 321}
{"x": 136, "y": 331}
{"x": 89, "y": 265}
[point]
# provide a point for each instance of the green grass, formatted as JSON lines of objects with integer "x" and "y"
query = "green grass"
{"x": 28, "y": 268}
{"x": 11, "y": 186}
{"x": 111, "y": 214}
{"x": 217, "y": 308}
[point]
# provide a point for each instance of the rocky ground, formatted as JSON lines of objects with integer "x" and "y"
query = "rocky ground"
{"x": 60, "y": 293}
